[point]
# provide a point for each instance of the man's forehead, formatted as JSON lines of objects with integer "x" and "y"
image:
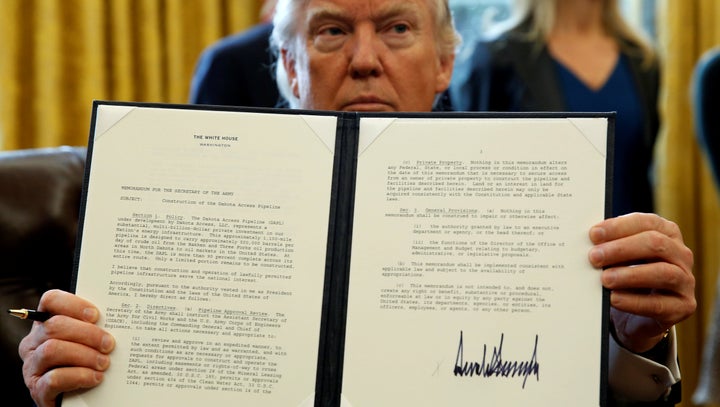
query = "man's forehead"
{"x": 356, "y": 9}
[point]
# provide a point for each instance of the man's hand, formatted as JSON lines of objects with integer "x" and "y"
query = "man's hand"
{"x": 649, "y": 270}
{"x": 66, "y": 352}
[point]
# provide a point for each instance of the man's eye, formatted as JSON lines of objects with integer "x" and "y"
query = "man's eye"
{"x": 399, "y": 35}
{"x": 329, "y": 38}
{"x": 332, "y": 31}
{"x": 400, "y": 28}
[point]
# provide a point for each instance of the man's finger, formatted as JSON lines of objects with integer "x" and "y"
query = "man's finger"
{"x": 64, "y": 328}
{"x": 649, "y": 246}
{"x": 661, "y": 276}
{"x": 666, "y": 309}
{"x": 55, "y": 353}
{"x": 632, "y": 224}
{"x": 59, "y": 302}
{"x": 46, "y": 388}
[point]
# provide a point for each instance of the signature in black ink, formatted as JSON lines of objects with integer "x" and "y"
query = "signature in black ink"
{"x": 497, "y": 366}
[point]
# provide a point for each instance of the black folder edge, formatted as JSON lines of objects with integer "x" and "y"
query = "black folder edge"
{"x": 328, "y": 388}
{"x": 330, "y": 364}
{"x": 609, "y": 178}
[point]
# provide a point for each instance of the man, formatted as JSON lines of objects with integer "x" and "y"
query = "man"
{"x": 393, "y": 55}
{"x": 340, "y": 63}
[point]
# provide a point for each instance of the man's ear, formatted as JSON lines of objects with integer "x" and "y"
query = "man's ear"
{"x": 444, "y": 74}
{"x": 289, "y": 64}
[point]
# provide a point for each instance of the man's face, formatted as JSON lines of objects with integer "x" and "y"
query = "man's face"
{"x": 367, "y": 55}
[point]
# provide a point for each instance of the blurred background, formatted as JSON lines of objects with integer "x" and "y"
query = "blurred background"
{"x": 56, "y": 57}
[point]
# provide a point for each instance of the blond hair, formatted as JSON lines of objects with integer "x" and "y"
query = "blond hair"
{"x": 539, "y": 15}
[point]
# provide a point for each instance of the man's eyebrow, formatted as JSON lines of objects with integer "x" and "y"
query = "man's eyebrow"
{"x": 324, "y": 13}
{"x": 397, "y": 10}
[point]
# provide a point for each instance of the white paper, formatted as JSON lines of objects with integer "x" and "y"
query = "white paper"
{"x": 476, "y": 231}
{"x": 206, "y": 255}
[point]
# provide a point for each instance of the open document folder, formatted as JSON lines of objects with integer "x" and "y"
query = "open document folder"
{"x": 285, "y": 258}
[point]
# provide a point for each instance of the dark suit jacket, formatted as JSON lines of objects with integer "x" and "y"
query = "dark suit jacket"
{"x": 237, "y": 71}
{"x": 513, "y": 73}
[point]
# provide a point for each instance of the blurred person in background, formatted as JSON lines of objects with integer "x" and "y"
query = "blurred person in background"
{"x": 579, "y": 56}
{"x": 238, "y": 70}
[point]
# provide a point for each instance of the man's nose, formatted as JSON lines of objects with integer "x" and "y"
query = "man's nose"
{"x": 365, "y": 54}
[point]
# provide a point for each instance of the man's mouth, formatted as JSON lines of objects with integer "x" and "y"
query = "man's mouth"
{"x": 367, "y": 104}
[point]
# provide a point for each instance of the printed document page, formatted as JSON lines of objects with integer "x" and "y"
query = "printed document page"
{"x": 206, "y": 254}
{"x": 469, "y": 280}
